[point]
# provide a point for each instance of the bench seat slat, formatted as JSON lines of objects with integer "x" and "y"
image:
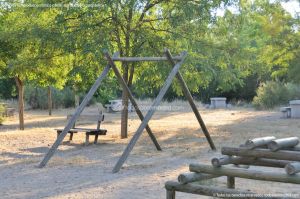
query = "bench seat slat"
{"x": 86, "y": 130}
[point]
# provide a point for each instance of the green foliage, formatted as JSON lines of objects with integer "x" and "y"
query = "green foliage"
{"x": 272, "y": 94}
{"x": 63, "y": 46}
{"x": 2, "y": 109}
{"x": 7, "y": 88}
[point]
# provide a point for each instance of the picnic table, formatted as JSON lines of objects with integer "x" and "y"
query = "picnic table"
{"x": 117, "y": 106}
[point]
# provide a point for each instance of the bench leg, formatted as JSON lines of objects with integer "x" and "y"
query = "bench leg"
{"x": 170, "y": 194}
{"x": 96, "y": 139}
{"x": 230, "y": 182}
{"x": 87, "y": 140}
{"x": 71, "y": 136}
{"x": 57, "y": 134}
{"x": 289, "y": 114}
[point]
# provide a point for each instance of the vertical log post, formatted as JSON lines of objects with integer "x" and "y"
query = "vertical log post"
{"x": 170, "y": 194}
{"x": 230, "y": 182}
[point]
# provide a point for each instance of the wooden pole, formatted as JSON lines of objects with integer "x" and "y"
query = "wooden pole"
{"x": 225, "y": 160}
{"x": 245, "y": 173}
{"x": 170, "y": 194}
{"x": 207, "y": 190}
{"x": 137, "y": 110}
{"x": 278, "y": 144}
{"x": 138, "y": 59}
{"x": 292, "y": 168}
{"x": 217, "y": 162}
{"x": 262, "y": 153}
{"x": 74, "y": 117}
{"x": 149, "y": 114}
{"x": 258, "y": 142}
{"x": 189, "y": 97}
{"x": 230, "y": 182}
{"x": 193, "y": 177}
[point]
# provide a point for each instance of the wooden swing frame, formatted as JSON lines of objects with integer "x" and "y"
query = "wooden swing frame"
{"x": 176, "y": 62}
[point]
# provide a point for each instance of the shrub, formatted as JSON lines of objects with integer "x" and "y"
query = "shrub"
{"x": 2, "y": 109}
{"x": 37, "y": 98}
{"x": 272, "y": 94}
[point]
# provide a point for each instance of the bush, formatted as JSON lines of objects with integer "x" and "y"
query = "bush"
{"x": 2, "y": 109}
{"x": 37, "y": 97}
{"x": 272, "y": 94}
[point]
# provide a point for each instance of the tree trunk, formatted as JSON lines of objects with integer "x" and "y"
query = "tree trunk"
{"x": 49, "y": 100}
{"x": 76, "y": 100}
{"x": 124, "y": 115}
{"x": 20, "y": 86}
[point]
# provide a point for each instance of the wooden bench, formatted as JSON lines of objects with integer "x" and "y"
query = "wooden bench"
{"x": 286, "y": 112}
{"x": 88, "y": 131}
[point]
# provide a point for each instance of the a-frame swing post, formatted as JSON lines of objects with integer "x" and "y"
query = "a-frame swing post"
{"x": 135, "y": 105}
{"x": 149, "y": 114}
{"x": 74, "y": 117}
{"x": 189, "y": 97}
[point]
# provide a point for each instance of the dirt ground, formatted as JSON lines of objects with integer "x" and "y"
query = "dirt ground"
{"x": 78, "y": 171}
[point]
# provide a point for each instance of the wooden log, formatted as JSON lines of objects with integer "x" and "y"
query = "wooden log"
{"x": 278, "y": 144}
{"x": 262, "y": 153}
{"x": 189, "y": 97}
{"x": 130, "y": 96}
{"x": 217, "y": 162}
{"x": 170, "y": 194}
{"x": 268, "y": 162}
{"x": 193, "y": 177}
{"x": 149, "y": 114}
{"x": 137, "y": 59}
{"x": 230, "y": 182}
{"x": 245, "y": 173}
{"x": 206, "y": 190}
{"x": 225, "y": 160}
{"x": 292, "y": 168}
{"x": 71, "y": 136}
{"x": 258, "y": 142}
{"x": 296, "y": 148}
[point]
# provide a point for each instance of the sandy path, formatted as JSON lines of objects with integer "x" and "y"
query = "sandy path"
{"x": 85, "y": 172}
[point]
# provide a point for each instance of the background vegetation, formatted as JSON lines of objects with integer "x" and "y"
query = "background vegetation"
{"x": 1, "y": 114}
{"x": 237, "y": 49}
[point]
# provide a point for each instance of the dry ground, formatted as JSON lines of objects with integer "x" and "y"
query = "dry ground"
{"x": 77, "y": 171}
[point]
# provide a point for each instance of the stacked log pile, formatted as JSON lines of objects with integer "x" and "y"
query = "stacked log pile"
{"x": 266, "y": 151}
{"x": 234, "y": 162}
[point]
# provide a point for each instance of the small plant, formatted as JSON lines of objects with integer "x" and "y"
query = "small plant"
{"x": 2, "y": 110}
